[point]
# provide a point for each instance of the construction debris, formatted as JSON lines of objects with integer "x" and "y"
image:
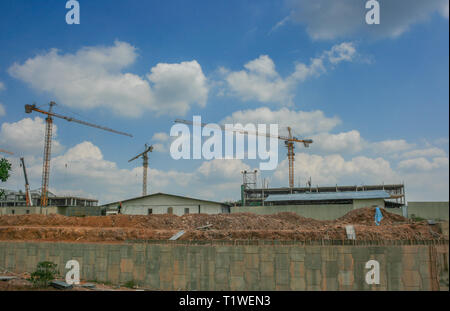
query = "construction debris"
{"x": 239, "y": 226}
{"x": 88, "y": 285}
{"x": 60, "y": 285}
{"x": 206, "y": 227}
{"x": 350, "y": 230}
{"x": 177, "y": 235}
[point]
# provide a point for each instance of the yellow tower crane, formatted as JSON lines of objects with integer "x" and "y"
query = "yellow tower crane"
{"x": 145, "y": 166}
{"x": 288, "y": 141}
{"x": 48, "y": 142}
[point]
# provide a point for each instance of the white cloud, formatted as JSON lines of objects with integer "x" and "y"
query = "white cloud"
{"x": 302, "y": 122}
{"x": 178, "y": 86}
{"x": 83, "y": 170}
{"x": 161, "y": 136}
{"x": 93, "y": 77}
{"x": 27, "y": 136}
{"x": 334, "y": 169}
{"x": 280, "y": 24}
{"x": 260, "y": 81}
{"x": 442, "y": 141}
{"x": 391, "y": 146}
{"x": 444, "y": 9}
{"x": 346, "y": 142}
{"x": 2, "y": 86}
{"x": 423, "y": 164}
{"x": 163, "y": 140}
{"x": 342, "y": 52}
{"x": 330, "y": 19}
{"x": 429, "y": 152}
{"x": 223, "y": 169}
{"x": 2, "y": 110}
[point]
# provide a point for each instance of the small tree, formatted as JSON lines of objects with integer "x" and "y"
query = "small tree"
{"x": 45, "y": 273}
{"x": 5, "y": 168}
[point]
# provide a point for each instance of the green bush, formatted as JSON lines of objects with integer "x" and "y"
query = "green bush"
{"x": 5, "y": 168}
{"x": 46, "y": 272}
{"x": 130, "y": 284}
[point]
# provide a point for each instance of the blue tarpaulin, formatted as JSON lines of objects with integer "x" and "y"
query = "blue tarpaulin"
{"x": 378, "y": 216}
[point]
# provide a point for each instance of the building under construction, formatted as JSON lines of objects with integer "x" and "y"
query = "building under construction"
{"x": 393, "y": 195}
{"x": 18, "y": 198}
{"x": 15, "y": 203}
{"x": 253, "y": 196}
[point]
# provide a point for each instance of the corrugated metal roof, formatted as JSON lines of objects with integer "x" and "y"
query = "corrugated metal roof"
{"x": 323, "y": 196}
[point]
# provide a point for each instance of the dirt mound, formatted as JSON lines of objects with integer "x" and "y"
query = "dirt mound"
{"x": 239, "y": 226}
{"x": 366, "y": 216}
{"x": 239, "y": 221}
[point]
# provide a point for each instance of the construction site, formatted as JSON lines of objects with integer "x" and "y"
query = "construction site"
{"x": 292, "y": 238}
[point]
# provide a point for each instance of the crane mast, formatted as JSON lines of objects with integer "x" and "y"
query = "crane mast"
{"x": 290, "y": 147}
{"x": 145, "y": 167}
{"x": 48, "y": 142}
{"x": 47, "y": 154}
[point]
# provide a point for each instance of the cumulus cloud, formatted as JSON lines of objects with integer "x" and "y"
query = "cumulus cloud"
{"x": 391, "y": 146}
{"x": 94, "y": 77}
{"x": 428, "y": 152}
{"x": 2, "y": 110}
{"x": 83, "y": 170}
{"x": 260, "y": 81}
{"x": 178, "y": 86}
{"x": 423, "y": 164}
{"x": 334, "y": 169}
{"x": 345, "y": 142}
{"x": 27, "y": 136}
{"x": 162, "y": 142}
{"x": 330, "y": 19}
{"x": 302, "y": 122}
{"x": 223, "y": 169}
{"x": 161, "y": 136}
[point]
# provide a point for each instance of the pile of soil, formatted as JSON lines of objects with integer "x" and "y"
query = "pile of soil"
{"x": 239, "y": 226}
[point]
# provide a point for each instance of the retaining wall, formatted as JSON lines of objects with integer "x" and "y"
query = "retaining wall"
{"x": 224, "y": 266}
{"x": 429, "y": 210}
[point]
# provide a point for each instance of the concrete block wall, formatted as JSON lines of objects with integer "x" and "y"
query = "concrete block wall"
{"x": 24, "y": 210}
{"x": 172, "y": 266}
{"x": 429, "y": 210}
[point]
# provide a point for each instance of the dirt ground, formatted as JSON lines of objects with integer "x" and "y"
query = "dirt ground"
{"x": 21, "y": 283}
{"x": 239, "y": 226}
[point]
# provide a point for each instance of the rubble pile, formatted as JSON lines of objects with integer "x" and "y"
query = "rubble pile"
{"x": 239, "y": 226}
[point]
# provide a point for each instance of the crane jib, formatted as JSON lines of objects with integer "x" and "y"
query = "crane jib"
{"x": 30, "y": 108}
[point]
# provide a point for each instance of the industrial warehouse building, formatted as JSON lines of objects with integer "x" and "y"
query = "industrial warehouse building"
{"x": 162, "y": 203}
{"x": 322, "y": 203}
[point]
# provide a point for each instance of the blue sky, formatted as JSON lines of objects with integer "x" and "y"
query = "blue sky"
{"x": 381, "y": 109}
